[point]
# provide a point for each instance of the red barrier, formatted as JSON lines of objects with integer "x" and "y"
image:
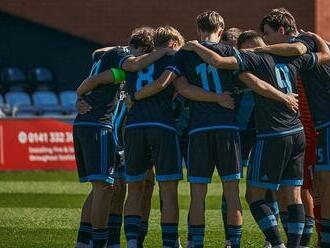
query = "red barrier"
{"x": 36, "y": 144}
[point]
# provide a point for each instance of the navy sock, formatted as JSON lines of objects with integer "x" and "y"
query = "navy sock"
{"x": 308, "y": 231}
{"x": 197, "y": 233}
{"x": 85, "y": 233}
{"x": 224, "y": 216}
{"x": 100, "y": 237}
{"x": 235, "y": 234}
{"x": 284, "y": 221}
{"x": 131, "y": 225}
{"x": 114, "y": 223}
{"x": 266, "y": 221}
{"x": 325, "y": 233}
{"x": 169, "y": 234}
{"x": 143, "y": 230}
{"x": 296, "y": 223}
{"x": 272, "y": 203}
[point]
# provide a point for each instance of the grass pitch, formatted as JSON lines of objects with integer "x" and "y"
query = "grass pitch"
{"x": 42, "y": 209}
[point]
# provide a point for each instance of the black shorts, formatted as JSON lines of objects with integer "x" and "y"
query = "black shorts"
{"x": 323, "y": 150}
{"x": 214, "y": 149}
{"x": 152, "y": 145}
{"x": 95, "y": 153}
{"x": 277, "y": 161}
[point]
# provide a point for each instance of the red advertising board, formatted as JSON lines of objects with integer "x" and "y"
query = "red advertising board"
{"x": 36, "y": 144}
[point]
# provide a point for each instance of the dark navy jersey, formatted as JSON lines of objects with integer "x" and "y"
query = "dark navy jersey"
{"x": 155, "y": 110}
{"x": 205, "y": 115}
{"x": 102, "y": 98}
{"x": 273, "y": 117}
{"x": 317, "y": 85}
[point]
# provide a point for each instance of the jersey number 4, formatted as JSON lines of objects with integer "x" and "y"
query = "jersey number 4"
{"x": 145, "y": 76}
{"x": 283, "y": 77}
{"x": 204, "y": 70}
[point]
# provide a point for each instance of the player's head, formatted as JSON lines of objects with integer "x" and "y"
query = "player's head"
{"x": 167, "y": 36}
{"x": 250, "y": 39}
{"x": 277, "y": 25}
{"x": 230, "y": 36}
{"x": 210, "y": 23}
{"x": 141, "y": 41}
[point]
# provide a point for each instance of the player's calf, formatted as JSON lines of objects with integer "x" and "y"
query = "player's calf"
{"x": 102, "y": 196}
{"x": 116, "y": 214}
{"x": 149, "y": 185}
{"x": 85, "y": 229}
{"x": 296, "y": 215}
{"x": 170, "y": 212}
{"x": 263, "y": 215}
{"x": 234, "y": 212}
{"x": 197, "y": 213}
{"x": 132, "y": 219}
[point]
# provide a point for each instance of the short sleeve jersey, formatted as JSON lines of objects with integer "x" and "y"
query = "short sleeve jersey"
{"x": 273, "y": 117}
{"x": 102, "y": 98}
{"x": 317, "y": 85}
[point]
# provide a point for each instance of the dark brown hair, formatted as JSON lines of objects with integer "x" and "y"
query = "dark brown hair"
{"x": 143, "y": 37}
{"x": 210, "y": 21}
{"x": 277, "y": 18}
{"x": 246, "y": 36}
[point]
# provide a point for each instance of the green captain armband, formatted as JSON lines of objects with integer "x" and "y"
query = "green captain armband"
{"x": 118, "y": 75}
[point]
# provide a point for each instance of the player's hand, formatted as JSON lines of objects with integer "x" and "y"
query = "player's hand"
{"x": 128, "y": 101}
{"x": 292, "y": 102}
{"x": 82, "y": 106}
{"x": 189, "y": 45}
{"x": 226, "y": 100}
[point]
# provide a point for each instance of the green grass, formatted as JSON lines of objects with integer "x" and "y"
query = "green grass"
{"x": 42, "y": 209}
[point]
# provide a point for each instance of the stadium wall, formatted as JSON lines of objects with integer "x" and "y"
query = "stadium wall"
{"x": 110, "y": 22}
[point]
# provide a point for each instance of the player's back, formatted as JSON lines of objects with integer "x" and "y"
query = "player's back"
{"x": 101, "y": 98}
{"x": 155, "y": 110}
{"x": 273, "y": 117}
{"x": 317, "y": 85}
{"x": 198, "y": 73}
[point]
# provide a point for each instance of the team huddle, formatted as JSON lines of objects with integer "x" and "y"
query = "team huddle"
{"x": 147, "y": 107}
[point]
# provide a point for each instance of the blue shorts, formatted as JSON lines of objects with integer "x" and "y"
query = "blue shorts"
{"x": 323, "y": 150}
{"x": 95, "y": 153}
{"x": 277, "y": 161}
{"x": 145, "y": 146}
{"x": 212, "y": 149}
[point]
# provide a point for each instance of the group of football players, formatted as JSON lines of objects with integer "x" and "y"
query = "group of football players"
{"x": 148, "y": 106}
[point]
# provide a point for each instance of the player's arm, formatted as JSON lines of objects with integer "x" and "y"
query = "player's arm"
{"x": 211, "y": 57}
{"x": 107, "y": 77}
{"x": 134, "y": 64}
{"x": 284, "y": 49}
{"x": 323, "y": 53}
{"x": 101, "y": 51}
{"x": 164, "y": 80}
{"x": 195, "y": 93}
{"x": 266, "y": 90}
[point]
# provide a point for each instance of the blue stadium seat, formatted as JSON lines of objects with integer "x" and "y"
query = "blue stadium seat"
{"x": 42, "y": 78}
{"x": 14, "y": 79}
{"x": 20, "y": 104}
{"x": 47, "y": 103}
{"x": 68, "y": 100}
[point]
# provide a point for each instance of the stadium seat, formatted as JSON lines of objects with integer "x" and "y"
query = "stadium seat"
{"x": 20, "y": 104}
{"x": 68, "y": 100}
{"x": 14, "y": 79}
{"x": 47, "y": 103}
{"x": 41, "y": 78}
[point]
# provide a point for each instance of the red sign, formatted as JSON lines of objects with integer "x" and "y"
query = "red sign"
{"x": 36, "y": 144}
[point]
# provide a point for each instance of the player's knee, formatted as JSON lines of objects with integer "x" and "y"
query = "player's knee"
{"x": 292, "y": 194}
{"x": 169, "y": 191}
